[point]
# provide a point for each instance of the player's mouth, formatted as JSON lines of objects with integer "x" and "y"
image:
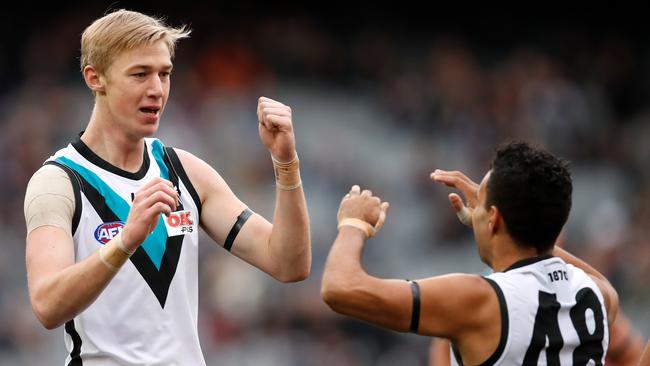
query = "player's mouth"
{"x": 151, "y": 112}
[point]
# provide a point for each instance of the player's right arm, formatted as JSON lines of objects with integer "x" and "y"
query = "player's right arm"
{"x": 463, "y": 308}
{"x": 59, "y": 288}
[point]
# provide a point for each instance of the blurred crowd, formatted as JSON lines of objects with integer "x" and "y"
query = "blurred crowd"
{"x": 373, "y": 104}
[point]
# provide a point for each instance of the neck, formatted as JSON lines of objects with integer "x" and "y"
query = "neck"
{"x": 114, "y": 146}
{"x": 506, "y": 252}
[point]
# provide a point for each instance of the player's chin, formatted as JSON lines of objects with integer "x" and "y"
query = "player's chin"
{"x": 148, "y": 129}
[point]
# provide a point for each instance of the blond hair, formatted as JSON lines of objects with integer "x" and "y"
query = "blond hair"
{"x": 124, "y": 30}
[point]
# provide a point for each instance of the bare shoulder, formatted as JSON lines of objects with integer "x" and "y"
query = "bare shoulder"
{"x": 204, "y": 177}
{"x": 196, "y": 168}
{"x": 189, "y": 160}
{"x": 459, "y": 286}
{"x": 207, "y": 181}
{"x": 457, "y": 302}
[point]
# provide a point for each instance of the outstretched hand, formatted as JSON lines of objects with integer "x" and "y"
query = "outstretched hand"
{"x": 466, "y": 186}
{"x": 276, "y": 129}
{"x": 362, "y": 210}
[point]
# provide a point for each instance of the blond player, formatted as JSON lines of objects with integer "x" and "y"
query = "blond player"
{"x": 113, "y": 218}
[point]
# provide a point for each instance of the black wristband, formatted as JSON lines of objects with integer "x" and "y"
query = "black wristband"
{"x": 415, "y": 315}
{"x": 241, "y": 219}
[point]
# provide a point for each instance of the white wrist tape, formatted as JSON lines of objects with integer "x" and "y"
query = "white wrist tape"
{"x": 113, "y": 254}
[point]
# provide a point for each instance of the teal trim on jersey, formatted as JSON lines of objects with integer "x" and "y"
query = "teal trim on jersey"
{"x": 158, "y": 151}
{"x": 113, "y": 200}
{"x": 155, "y": 243}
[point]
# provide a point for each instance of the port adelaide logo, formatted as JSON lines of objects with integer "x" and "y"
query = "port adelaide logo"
{"x": 107, "y": 231}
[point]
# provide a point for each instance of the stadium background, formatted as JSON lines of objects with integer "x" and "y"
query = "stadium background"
{"x": 381, "y": 96}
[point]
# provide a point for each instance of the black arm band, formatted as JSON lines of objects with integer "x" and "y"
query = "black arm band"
{"x": 415, "y": 315}
{"x": 241, "y": 220}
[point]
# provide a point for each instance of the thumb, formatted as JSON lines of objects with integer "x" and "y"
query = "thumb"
{"x": 464, "y": 214}
{"x": 382, "y": 216}
{"x": 456, "y": 202}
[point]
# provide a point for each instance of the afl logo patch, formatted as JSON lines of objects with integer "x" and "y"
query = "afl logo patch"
{"x": 107, "y": 231}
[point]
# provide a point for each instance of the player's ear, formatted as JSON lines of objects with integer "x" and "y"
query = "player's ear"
{"x": 495, "y": 220}
{"x": 94, "y": 79}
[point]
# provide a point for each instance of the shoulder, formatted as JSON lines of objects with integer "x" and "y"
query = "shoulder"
{"x": 50, "y": 179}
{"x": 604, "y": 290}
{"x": 195, "y": 167}
{"x": 204, "y": 177}
{"x": 49, "y": 199}
{"x": 581, "y": 279}
{"x": 459, "y": 293}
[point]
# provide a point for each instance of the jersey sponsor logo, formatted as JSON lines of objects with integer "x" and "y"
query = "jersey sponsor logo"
{"x": 179, "y": 223}
{"x": 107, "y": 231}
{"x": 179, "y": 218}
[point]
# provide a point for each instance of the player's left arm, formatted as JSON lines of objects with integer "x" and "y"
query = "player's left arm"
{"x": 645, "y": 357}
{"x": 625, "y": 343}
{"x": 282, "y": 248}
{"x": 609, "y": 293}
{"x": 439, "y": 352}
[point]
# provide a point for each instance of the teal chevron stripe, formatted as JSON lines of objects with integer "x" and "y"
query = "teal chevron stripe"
{"x": 113, "y": 200}
{"x": 155, "y": 243}
{"x": 158, "y": 151}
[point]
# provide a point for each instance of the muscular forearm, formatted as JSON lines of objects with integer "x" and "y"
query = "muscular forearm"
{"x": 343, "y": 269}
{"x": 289, "y": 242}
{"x": 61, "y": 296}
{"x": 349, "y": 290}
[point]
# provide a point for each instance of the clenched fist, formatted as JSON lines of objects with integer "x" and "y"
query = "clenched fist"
{"x": 362, "y": 210}
{"x": 276, "y": 129}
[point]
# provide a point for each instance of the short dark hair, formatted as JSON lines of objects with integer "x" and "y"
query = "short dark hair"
{"x": 532, "y": 190}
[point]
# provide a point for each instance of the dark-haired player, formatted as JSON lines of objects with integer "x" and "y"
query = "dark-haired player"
{"x": 540, "y": 306}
